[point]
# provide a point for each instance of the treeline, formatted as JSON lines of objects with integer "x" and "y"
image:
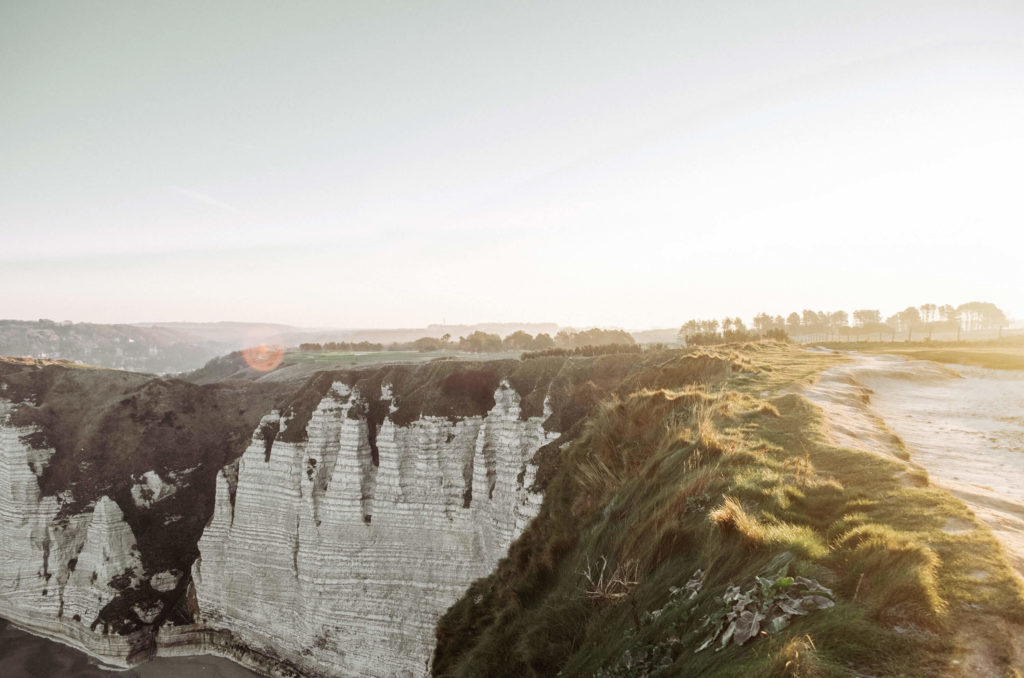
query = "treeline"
{"x": 914, "y": 321}
{"x": 709, "y": 332}
{"x": 484, "y": 342}
{"x": 930, "y": 318}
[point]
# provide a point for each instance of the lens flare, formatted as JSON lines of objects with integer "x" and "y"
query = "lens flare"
{"x": 264, "y": 356}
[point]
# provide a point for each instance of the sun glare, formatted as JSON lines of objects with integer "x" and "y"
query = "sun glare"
{"x": 263, "y": 357}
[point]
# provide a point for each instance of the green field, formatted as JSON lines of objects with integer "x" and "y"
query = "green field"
{"x": 299, "y": 365}
{"x": 1007, "y": 354}
{"x": 324, "y": 359}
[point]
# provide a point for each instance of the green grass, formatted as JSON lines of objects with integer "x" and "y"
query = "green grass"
{"x": 709, "y": 474}
{"x": 299, "y": 366}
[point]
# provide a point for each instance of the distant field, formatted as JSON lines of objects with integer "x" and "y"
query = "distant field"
{"x": 321, "y": 358}
{"x": 1000, "y": 355}
{"x": 300, "y": 364}
{"x": 358, "y": 358}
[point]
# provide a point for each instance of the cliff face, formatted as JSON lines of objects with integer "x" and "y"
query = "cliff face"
{"x": 106, "y": 482}
{"x": 339, "y": 554}
{"x": 317, "y": 528}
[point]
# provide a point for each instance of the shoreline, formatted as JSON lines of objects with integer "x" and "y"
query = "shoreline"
{"x": 121, "y": 652}
{"x": 142, "y": 647}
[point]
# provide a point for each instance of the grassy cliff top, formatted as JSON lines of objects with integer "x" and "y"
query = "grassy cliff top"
{"x": 683, "y": 516}
{"x": 297, "y": 366}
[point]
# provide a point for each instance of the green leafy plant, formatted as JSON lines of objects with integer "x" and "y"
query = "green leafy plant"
{"x": 768, "y": 605}
{"x": 637, "y": 662}
{"x": 646, "y": 659}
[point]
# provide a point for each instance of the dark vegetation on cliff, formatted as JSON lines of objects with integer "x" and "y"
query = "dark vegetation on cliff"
{"x": 308, "y": 358}
{"x": 108, "y": 427}
{"x": 572, "y": 385}
{"x": 672, "y": 493}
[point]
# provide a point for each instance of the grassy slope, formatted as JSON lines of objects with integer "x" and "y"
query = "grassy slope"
{"x": 720, "y": 479}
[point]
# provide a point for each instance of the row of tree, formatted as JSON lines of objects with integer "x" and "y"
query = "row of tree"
{"x": 482, "y": 342}
{"x": 924, "y": 320}
{"x": 972, "y": 316}
{"x": 707, "y": 332}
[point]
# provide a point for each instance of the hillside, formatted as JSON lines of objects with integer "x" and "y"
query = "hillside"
{"x": 718, "y": 532}
{"x": 128, "y": 347}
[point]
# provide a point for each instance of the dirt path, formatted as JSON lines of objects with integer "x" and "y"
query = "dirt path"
{"x": 964, "y": 427}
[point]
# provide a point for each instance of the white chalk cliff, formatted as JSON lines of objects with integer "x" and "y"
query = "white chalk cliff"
{"x": 326, "y": 561}
{"x": 332, "y": 556}
{"x": 56, "y": 571}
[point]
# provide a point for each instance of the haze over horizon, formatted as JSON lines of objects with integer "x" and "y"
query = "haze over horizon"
{"x": 588, "y": 163}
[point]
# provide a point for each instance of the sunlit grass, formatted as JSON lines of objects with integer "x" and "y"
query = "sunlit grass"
{"x": 735, "y": 479}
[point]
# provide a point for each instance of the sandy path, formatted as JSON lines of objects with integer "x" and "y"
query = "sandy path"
{"x": 965, "y": 427}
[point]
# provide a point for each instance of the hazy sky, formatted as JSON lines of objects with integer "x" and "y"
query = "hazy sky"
{"x": 401, "y": 163}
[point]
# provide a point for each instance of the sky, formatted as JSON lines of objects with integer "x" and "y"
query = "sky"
{"x": 394, "y": 164}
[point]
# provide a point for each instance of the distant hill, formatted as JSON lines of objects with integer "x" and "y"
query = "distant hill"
{"x": 227, "y": 332}
{"x": 665, "y": 336}
{"x": 126, "y": 347}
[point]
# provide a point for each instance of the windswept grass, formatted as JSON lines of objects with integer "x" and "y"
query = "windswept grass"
{"x": 716, "y": 481}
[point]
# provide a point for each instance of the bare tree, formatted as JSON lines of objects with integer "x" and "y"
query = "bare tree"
{"x": 793, "y": 323}
{"x": 909, "y": 319}
{"x": 868, "y": 320}
{"x": 837, "y": 320}
{"x": 928, "y": 311}
{"x": 689, "y": 328}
